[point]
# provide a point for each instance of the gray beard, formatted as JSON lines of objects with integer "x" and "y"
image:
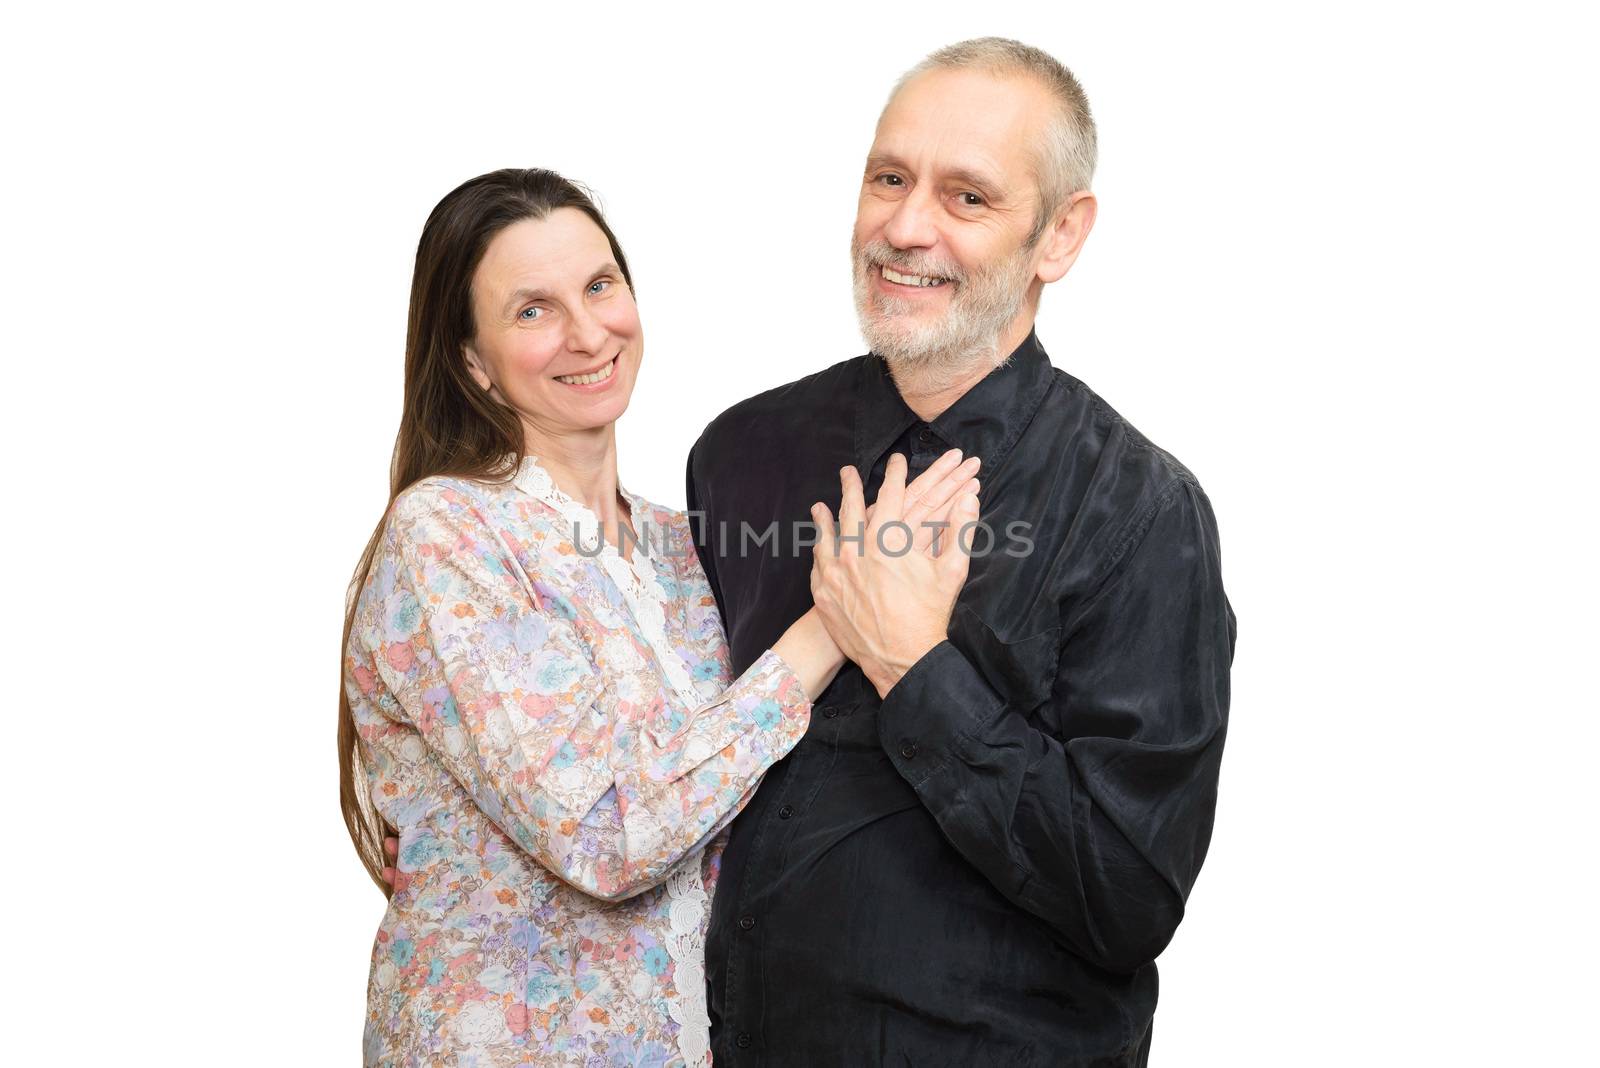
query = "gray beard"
{"x": 939, "y": 354}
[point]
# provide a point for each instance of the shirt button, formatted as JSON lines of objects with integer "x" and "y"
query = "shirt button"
{"x": 747, "y": 922}
{"x": 743, "y": 1041}
{"x": 830, "y": 712}
{"x": 925, "y": 436}
{"x": 908, "y": 750}
{"x": 785, "y": 812}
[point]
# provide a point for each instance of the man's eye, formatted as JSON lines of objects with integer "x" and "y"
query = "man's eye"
{"x": 598, "y": 286}
{"x": 892, "y": 180}
{"x": 530, "y": 314}
{"x": 971, "y": 200}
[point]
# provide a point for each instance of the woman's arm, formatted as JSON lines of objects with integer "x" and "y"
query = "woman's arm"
{"x": 606, "y": 790}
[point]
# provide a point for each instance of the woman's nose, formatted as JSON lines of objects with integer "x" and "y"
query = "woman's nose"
{"x": 588, "y": 333}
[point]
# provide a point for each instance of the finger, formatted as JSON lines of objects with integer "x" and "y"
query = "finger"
{"x": 852, "y": 509}
{"x": 953, "y": 565}
{"x": 391, "y": 846}
{"x": 388, "y": 876}
{"x": 892, "y": 494}
{"x": 942, "y": 493}
{"x": 928, "y": 527}
{"x": 923, "y": 484}
{"x": 825, "y": 549}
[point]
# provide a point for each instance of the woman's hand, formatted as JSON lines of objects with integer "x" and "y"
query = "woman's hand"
{"x": 884, "y": 595}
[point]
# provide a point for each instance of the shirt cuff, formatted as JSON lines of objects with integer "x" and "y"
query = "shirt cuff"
{"x": 931, "y": 709}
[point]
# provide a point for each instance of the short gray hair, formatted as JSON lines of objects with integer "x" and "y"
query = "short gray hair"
{"x": 1067, "y": 160}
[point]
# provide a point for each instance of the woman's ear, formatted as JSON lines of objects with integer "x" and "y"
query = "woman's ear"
{"x": 475, "y": 367}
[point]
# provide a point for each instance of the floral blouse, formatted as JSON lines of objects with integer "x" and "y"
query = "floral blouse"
{"x": 552, "y": 728}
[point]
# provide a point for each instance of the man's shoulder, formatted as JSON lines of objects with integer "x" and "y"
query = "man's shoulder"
{"x": 1124, "y": 479}
{"x": 1084, "y": 414}
{"x": 817, "y": 395}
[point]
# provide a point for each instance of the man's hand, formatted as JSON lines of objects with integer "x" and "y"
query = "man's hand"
{"x": 881, "y": 587}
{"x": 392, "y": 875}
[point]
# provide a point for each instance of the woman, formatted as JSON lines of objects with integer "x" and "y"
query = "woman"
{"x": 536, "y": 690}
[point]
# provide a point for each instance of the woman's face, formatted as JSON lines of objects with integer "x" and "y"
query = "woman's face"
{"x": 558, "y": 335}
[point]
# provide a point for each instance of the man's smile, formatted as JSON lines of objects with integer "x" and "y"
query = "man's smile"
{"x": 917, "y": 280}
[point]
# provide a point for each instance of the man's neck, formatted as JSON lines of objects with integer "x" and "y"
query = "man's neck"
{"x": 930, "y": 393}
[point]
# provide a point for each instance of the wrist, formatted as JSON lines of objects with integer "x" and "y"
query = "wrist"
{"x": 883, "y": 674}
{"x": 810, "y": 652}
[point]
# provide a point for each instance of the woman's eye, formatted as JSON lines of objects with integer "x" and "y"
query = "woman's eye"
{"x": 530, "y": 314}
{"x": 598, "y": 286}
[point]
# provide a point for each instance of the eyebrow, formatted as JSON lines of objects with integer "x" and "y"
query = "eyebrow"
{"x": 964, "y": 175}
{"x": 522, "y": 296}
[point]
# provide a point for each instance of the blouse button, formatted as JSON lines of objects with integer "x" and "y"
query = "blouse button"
{"x": 746, "y": 922}
{"x": 785, "y": 812}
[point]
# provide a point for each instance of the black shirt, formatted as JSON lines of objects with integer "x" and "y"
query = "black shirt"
{"x": 981, "y": 868}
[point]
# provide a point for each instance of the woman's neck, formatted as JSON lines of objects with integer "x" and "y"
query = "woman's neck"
{"x": 584, "y": 467}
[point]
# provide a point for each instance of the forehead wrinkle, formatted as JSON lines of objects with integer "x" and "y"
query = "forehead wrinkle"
{"x": 972, "y": 115}
{"x": 532, "y": 255}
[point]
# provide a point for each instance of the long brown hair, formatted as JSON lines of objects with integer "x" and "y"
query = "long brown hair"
{"x": 448, "y": 425}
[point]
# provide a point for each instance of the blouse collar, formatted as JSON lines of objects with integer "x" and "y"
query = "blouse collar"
{"x": 535, "y": 479}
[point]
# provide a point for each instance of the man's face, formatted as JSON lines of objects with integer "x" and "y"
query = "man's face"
{"x": 947, "y": 200}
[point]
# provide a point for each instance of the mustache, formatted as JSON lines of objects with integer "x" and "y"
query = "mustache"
{"x": 880, "y": 254}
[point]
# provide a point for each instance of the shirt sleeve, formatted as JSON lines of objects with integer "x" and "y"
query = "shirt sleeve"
{"x": 605, "y": 785}
{"x": 1094, "y": 811}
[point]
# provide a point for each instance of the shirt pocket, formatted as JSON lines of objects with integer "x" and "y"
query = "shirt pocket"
{"x": 1019, "y": 661}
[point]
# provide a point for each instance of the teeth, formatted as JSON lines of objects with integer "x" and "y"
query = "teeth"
{"x": 911, "y": 279}
{"x": 584, "y": 380}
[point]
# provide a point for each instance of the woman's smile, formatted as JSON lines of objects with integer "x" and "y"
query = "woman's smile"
{"x": 596, "y": 381}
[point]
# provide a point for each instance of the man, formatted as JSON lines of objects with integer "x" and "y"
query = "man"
{"x": 992, "y": 824}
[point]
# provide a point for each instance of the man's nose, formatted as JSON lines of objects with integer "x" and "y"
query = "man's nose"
{"x": 912, "y": 224}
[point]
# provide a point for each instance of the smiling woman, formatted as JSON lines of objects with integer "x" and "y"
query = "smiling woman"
{"x": 544, "y": 727}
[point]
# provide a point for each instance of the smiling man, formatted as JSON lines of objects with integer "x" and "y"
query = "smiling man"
{"x": 993, "y": 822}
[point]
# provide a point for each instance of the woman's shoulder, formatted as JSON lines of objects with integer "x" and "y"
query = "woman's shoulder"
{"x": 453, "y": 507}
{"x": 450, "y": 491}
{"x": 666, "y": 527}
{"x": 661, "y": 514}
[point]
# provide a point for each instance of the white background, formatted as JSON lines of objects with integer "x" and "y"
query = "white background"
{"x": 1343, "y": 269}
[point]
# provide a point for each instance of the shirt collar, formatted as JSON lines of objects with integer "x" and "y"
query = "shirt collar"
{"x": 985, "y": 422}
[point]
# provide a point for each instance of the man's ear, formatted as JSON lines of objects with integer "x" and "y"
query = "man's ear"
{"x": 1066, "y": 235}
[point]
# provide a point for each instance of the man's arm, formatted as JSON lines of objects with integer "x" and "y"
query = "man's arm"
{"x": 700, "y": 530}
{"x": 1100, "y": 835}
